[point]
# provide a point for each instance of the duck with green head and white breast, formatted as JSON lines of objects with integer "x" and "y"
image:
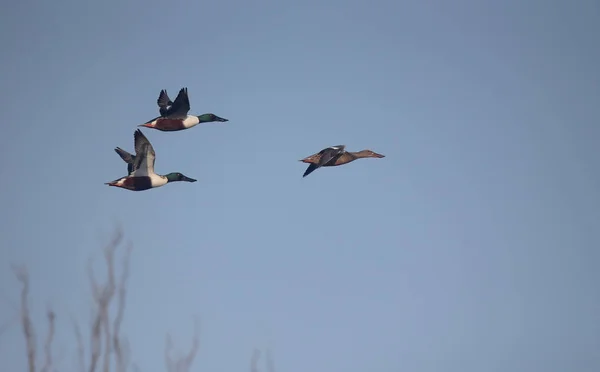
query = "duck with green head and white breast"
{"x": 141, "y": 168}
{"x": 174, "y": 115}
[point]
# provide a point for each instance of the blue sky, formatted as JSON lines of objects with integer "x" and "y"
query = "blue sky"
{"x": 472, "y": 246}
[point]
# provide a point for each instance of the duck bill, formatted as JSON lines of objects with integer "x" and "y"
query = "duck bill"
{"x": 184, "y": 178}
{"x": 217, "y": 118}
{"x": 147, "y": 125}
{"x": 376, "y": 155}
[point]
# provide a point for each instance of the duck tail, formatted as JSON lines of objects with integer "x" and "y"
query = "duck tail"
{"x": 112, "y": 183}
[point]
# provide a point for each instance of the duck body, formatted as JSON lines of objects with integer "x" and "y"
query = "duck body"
{"x": 172, "y": 125}
{"x": 174, "y": 115}
{"x": 335, "y": 156}
{"x": 139, "y": 183}
{"x": 140, "y": 167}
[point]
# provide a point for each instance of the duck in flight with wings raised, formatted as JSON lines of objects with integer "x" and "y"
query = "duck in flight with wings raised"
{"x": 140, "y": 167}
{"x": 174, "y": 114}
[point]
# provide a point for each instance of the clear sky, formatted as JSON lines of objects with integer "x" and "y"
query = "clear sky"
{"x": 472, "y": 246}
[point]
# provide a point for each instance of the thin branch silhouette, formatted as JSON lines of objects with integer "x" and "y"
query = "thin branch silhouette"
{"x": 182, "y": 364}
{"x": 105, "y": 338}
{"x": 48, "y": 345}
{"x": 23, "y": 277}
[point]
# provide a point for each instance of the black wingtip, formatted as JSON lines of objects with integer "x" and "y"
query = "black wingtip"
{"x": 311, "y": 168}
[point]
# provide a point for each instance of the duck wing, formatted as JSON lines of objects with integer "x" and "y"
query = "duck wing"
{"x": 330, "y": 154}
{"x": 144, "y": 155}
{"x": 311, "y": 168}
{"x": 180, "y": 108}
{"x": 164, "y": 103}
{"x": 127, "y": 158}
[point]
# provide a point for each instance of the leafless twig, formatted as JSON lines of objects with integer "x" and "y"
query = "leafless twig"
{"x": 121, "y": 350}
{"x": 48, "y": 345}
{"x": 182, "y": 364}
{"x": 103, "y": 296}
{"x": 80, "y": 347}
{"x": 23, "y": 277}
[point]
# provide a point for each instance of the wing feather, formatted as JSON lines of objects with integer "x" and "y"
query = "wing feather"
{"x": 144, "y": 155}
{"x": 181, "y": 105}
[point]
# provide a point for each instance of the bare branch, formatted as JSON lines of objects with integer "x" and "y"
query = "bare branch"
{"x": 103, "y": 296}
{"x": 48, "y": 345}
{"x": 23, "y": 277}
{"x": 189, "y": 359}
{"x": 96, "y": 331}
{"x": 107, "y": 339}
{"x": 121, "y": 351}
{"x": 104, "y": 330}
{"x": 185, "y": 363}
{"x": 107, "y": 295}
{"x": 254, "y": 361}
{"x": 95, "y": 338}
{"x": 80, "y": 347}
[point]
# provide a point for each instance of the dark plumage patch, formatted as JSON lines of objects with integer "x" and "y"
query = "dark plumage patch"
{"x": 133, "y": 183}
{"x": 127, "y": 158}
{"x": 311, "y": 168}
{"x": 164, "y": 103}
{"x": 168, "y": 125}
{"x": 327, "y": 157}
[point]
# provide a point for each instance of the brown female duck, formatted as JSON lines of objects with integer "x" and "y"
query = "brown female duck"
{"x": 335, "y": 155}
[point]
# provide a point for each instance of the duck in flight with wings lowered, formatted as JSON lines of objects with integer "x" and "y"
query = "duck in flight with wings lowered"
{"x": 174, "y": 114}
{"x": 141, "y": 168}
{"x": 334, "y": 156}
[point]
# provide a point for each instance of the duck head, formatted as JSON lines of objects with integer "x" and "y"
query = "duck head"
{"x": 176, "y": 176}
{"x": 208, "y": 118}
{"x": 368, "y": 154}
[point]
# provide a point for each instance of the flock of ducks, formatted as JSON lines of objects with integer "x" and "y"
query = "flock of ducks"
{"x": 174, "y": 116}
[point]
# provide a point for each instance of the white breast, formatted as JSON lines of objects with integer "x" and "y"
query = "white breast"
{"x": 158, "y": 181}
{"x": 190, "y": 121}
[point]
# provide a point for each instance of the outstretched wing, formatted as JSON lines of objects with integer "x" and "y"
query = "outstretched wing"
{"x": 127, "y": 158}
{"x": 164, "y": 103}
{"x": 311, "y": 168}
{"x": 327, "y": 156}
{"x": 144, "y": 155}
{"x": 180, "y": 108}
{"x": 330, "y": 154}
